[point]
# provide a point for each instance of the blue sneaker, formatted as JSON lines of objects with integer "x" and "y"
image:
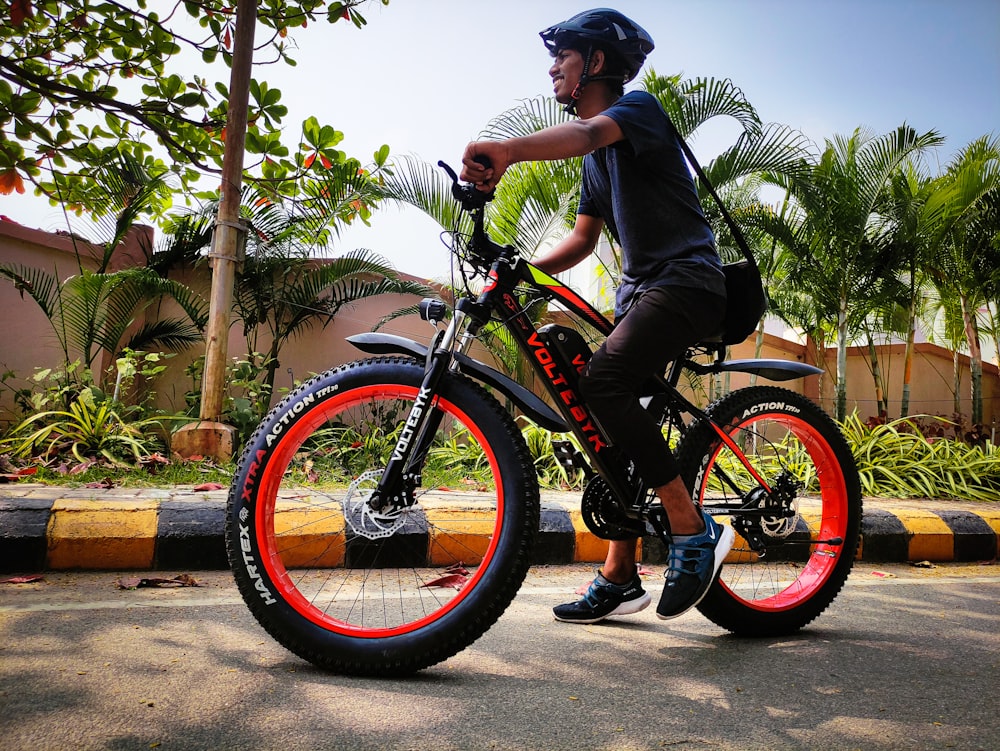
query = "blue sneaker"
{"x": 692, "y": 564}
{"x": 604, "y": 599}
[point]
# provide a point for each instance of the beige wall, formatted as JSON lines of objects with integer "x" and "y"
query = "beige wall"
{"x": 29, "y": 340}
{"x": 931, "y": 385}
{"x": 30, "y": 343}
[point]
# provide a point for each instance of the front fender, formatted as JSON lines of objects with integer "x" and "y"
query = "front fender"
{"x": 527, "y": 401}
{"x": 388, "y": 344}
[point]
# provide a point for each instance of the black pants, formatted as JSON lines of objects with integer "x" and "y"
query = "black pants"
{"x": 658, "y": 328}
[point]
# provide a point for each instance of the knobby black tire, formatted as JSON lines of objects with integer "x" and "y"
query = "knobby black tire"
{"x": 328, "y": 587}
{"x": 802, "y": 571}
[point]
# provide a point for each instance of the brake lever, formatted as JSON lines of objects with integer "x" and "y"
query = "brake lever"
{"x": 466, "y": 194}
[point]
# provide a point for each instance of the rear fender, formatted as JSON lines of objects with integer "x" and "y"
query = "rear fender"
{"x": 772, "y": 370}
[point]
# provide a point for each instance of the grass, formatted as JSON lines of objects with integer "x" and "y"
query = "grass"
{"x": 894, "y": 460}
{"x": 176, "y": 473}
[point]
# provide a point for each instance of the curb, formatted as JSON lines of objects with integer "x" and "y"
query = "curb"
{"x": 53, "y": 528}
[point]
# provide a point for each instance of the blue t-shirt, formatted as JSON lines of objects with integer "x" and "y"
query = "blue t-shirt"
{"x": 642, "y": 189}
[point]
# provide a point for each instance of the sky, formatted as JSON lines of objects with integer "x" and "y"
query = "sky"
{"x": 425, "y": 76}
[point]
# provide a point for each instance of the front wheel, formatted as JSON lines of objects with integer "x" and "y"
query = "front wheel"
{"x": 365, "y": 592}
{"x": 796, "y": 540}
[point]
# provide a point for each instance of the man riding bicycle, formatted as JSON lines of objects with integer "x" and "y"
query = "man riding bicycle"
{"x": 671, "y": 293}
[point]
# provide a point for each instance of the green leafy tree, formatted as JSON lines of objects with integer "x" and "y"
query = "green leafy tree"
{"x": 290, "y": 281}
{"x": 828, "y": 229}
{"x": 80, "y": 81}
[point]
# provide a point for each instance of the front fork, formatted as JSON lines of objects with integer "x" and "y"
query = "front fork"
{"x": 401, "y": 475}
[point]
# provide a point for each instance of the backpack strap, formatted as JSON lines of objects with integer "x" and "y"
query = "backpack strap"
{"x": 737, "y": 232}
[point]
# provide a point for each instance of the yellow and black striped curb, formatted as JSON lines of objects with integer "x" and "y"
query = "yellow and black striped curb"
{"x": 44, "y": 528}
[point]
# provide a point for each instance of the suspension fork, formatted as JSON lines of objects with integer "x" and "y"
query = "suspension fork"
{"x": 402, "y": 473}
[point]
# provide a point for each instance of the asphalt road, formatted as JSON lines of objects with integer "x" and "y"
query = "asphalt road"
{"x": 906, "y": 658}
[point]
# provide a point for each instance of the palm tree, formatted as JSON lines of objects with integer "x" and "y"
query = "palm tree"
{"x": 99, "y": 311}
{"x": 289, "y": 283}
{"x": 828, "y": 229}
{"x": 964, "y": 267}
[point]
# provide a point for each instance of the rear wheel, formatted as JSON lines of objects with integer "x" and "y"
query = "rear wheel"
{"x": 358, "y": 592}
{"x": 795, "y": 545}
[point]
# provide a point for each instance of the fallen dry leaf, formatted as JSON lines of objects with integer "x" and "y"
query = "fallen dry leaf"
{"x": 184, "y": 580}
{"x": 153, "y": 462}
{"x": 13, "y": 474}
{"x": 79, "y": 469}
{"x": 456, "y": 581}
{"x": 208, "y": 486}
{"x": 23, "y": 579}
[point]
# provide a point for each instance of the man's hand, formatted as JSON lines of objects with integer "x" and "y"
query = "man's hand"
{"x": 493, "y": 153}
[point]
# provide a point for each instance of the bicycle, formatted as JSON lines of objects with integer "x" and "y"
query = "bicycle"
{"x": 350, "y": 550}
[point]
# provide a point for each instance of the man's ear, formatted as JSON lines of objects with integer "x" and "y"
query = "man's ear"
{"x": 597, "y": 62}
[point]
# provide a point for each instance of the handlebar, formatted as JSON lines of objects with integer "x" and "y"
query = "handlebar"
{"x": 480, "y": 248}
{"x": 470, "y": 198}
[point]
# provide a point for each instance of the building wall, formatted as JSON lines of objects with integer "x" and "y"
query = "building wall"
{"x": 30, "y": 341}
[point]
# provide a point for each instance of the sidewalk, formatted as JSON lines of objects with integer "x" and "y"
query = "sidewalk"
{"x": 56, "y": 528}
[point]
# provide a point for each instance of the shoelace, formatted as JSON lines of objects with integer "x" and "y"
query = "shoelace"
{"x": 683, "y": 560}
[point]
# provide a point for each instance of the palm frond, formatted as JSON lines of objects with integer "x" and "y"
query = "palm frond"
{"x": 776, "y": 149}
{"x": 41, "y": 286}
{"x": 694, "y": 102}
{"x": 428, "y": 188}
{"x": 530, "y": 116}
{"x": 170, "y": 334}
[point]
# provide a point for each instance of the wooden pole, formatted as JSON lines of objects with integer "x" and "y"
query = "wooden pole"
{"x": 210, "y": 436}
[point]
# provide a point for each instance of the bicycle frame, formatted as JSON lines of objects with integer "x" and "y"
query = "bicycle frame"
{"x": 507, "y": 277}
{"x": 338, "y": 574}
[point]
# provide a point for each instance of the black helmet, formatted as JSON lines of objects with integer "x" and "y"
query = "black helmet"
{"x": 606, "y": 29}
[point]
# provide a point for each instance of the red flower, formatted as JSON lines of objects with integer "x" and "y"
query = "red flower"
{"x": 10, "y": 181}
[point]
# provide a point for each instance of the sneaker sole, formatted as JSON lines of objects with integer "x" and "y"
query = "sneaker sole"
{"x": 721, "y": 551}
{"x": 626, "y": 608}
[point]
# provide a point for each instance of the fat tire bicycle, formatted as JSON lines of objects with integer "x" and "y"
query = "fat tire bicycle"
{"x": 353, "y": 548}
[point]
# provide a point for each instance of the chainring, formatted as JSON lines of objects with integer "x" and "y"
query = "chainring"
{"x": 604, "y": 516}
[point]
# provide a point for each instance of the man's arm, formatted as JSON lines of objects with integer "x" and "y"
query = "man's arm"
{"x": 563, "y": 141}
{"x": 576, "y": 246}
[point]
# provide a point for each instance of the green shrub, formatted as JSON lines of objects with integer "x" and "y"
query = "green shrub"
{"x": 896, "y": 460}
{"x": 67, "y": 414}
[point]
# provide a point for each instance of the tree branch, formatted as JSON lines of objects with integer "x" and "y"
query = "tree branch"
{"x": 49, "y": 88}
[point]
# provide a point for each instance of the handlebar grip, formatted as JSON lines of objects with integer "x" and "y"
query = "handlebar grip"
{"x": 483, "y": 160}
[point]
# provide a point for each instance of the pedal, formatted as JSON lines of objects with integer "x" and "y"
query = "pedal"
{"x": 570, "y": 459}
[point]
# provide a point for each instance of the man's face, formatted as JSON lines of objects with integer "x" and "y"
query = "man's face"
{"x": 566, "y": 70}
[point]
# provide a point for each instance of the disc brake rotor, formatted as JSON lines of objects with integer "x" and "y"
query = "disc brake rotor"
{"x": 785, "y": 492}
{"x": 361, "y": 517}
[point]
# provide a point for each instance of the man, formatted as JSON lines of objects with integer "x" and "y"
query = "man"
{"x": 672, "y": 291}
